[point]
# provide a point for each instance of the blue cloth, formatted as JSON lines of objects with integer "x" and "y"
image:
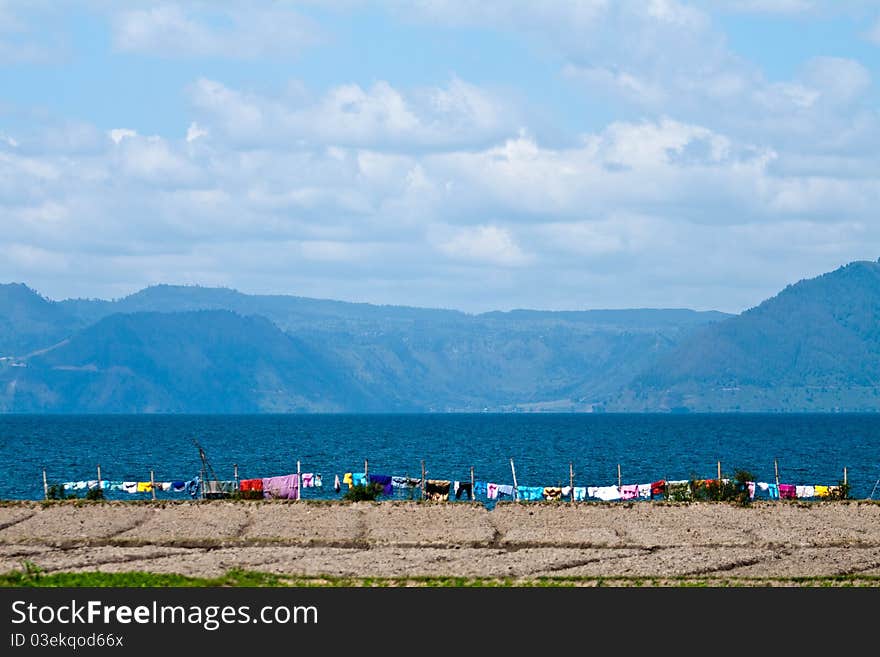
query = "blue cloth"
{"x": 579, "y": 493}
{"x": 530, "y": 493}
{"x": 384, "y": 481}
{"x": 193, "y": 486}
{"x": 358, "y": 479}
{"x": 178, "y": 486}
{"x": 480, "y": 488}
{"x": 773, "y": 490}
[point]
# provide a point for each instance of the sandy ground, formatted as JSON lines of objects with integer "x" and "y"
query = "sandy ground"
{"x": 407, "y": 539}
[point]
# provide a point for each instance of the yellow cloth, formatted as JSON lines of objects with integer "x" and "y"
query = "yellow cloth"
{"x": 821, "y": 491}
{"x": 552, "y": 493}
{"x": 346, "y": 479}
{"x": 144, "y": 487}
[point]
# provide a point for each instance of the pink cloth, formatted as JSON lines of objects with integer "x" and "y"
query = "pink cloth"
{"x": 492, "y": 491}
{"x": 629, "y": 492}
{"x": 751, "y": 485}
{"x": 308, "y": 480}
{"x": 285, "y": 487}
{"x": 787, "y": 491}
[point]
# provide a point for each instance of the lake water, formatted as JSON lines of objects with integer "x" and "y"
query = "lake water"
{"x": 810, "y": 449}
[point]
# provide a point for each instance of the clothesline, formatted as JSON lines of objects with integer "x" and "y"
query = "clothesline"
{"x": 290, "y": 486}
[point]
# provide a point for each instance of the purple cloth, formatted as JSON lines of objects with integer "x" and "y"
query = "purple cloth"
{"x": 629, "y": 492}
{"x": 787, "y": 491}
{"x": 285, "y": 487}
{"x": 384, "y": 481}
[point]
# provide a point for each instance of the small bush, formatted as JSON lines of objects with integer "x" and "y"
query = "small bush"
{"x": 247, "y": 495}
{"x": 839, "y": 492}
{"x": 95, "y": 494}
{"x": 363, "y": 492}
{"x": 57, "y": 492}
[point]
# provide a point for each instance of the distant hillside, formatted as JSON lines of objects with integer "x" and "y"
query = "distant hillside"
{"x": 199, "y": 362}
{"x": 815, "y": 346}
{"x": 29, "y": 322}
{"x": 148, "y": 352}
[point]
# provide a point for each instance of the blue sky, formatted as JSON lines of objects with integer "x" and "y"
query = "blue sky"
{"x": 565, "y": 155}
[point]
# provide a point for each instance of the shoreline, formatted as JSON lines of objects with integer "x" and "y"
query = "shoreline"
{"x": 519, "y": 541}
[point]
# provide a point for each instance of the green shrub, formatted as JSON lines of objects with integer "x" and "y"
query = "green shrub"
{"x": 367, "y": 492}
{"x": 840, "y": 492}
{"x": 57, "y": 492}
{"x": 95, "y": 494}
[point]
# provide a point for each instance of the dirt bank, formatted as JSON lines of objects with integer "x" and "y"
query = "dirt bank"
{"x": 407, "y": 539}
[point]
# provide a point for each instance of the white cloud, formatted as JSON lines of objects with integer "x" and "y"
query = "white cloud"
{"x": 768, "y": 6}
{"x": 456, "y": 114}
{"x": 203, "y": 29}
{"x": 637, "y": 212}
{"x": 873, "y": 34}
{"x": 195, "y": 132}
{"x": 484, "y": 245}
{"x": 118, "y": 134}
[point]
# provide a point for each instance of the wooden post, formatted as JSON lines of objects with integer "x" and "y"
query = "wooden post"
{"x": 844, "y": 475}
{"x": 45, "y": 486}
{"x": 515, "y": 485}
{"x": 619, "y": 479}
{"x": 473, "y": 494}
{"x": 776, "y": 470}
{"x": 366, "y": 470}
{"x": 571, "y": 480}
{"x": 299, "y": 482}
{"x": 235, "y": 474}
{"x": 719, "y": 472}
{"x": 423, "y": 479}
{"x": 152, "y": 485}
{"x": 99, "y": 477}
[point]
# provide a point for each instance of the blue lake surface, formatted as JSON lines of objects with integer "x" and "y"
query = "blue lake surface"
{"x": 811, "y": 449}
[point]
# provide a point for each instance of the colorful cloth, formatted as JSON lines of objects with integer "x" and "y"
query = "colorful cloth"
{"x": 285, "y": 487}
{"x": 178, "y": 486}
{"x": 787, "y": 491}
{"x": 805, "y": 491}
{"x": 308, "y": 480}
{"x": 645, "y": 491}
{"x": 505, "y": 489}
{"x": 530, "y": 493}
{"x": 437, "y": 490}
{"x": 348, "y": 479}
{"x": 359, "y": 479}
{"x": 629, "y": 492}
{"x": 384, "y": 481}
{"x": 751, "y": 485}
{"x": 552, "y": 493}
{"x": 579, "y": 493}
{"x": 658, "y": 488}
{"x": 464, "y": 488}
{"x": 336, "y": 485}
{"x": 251, "y": 485}
{"x": 604, "y": 493}
{"x": 481, "y": 488}
{"x": 144, "y": 487}
{"x": 492, "y": 491}
{"x": 773, "y": 491}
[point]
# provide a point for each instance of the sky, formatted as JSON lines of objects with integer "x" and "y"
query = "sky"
{"x": 572, "y": 154}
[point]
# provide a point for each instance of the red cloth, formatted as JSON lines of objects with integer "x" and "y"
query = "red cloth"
{"x": 658, "y": 488}
{"x": 251, "y": 484}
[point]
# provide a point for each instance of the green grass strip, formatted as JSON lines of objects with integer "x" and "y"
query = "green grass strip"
{"x": 32, "y": 576}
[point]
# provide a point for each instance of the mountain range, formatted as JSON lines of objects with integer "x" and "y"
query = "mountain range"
{"x": 187, "y": 349}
